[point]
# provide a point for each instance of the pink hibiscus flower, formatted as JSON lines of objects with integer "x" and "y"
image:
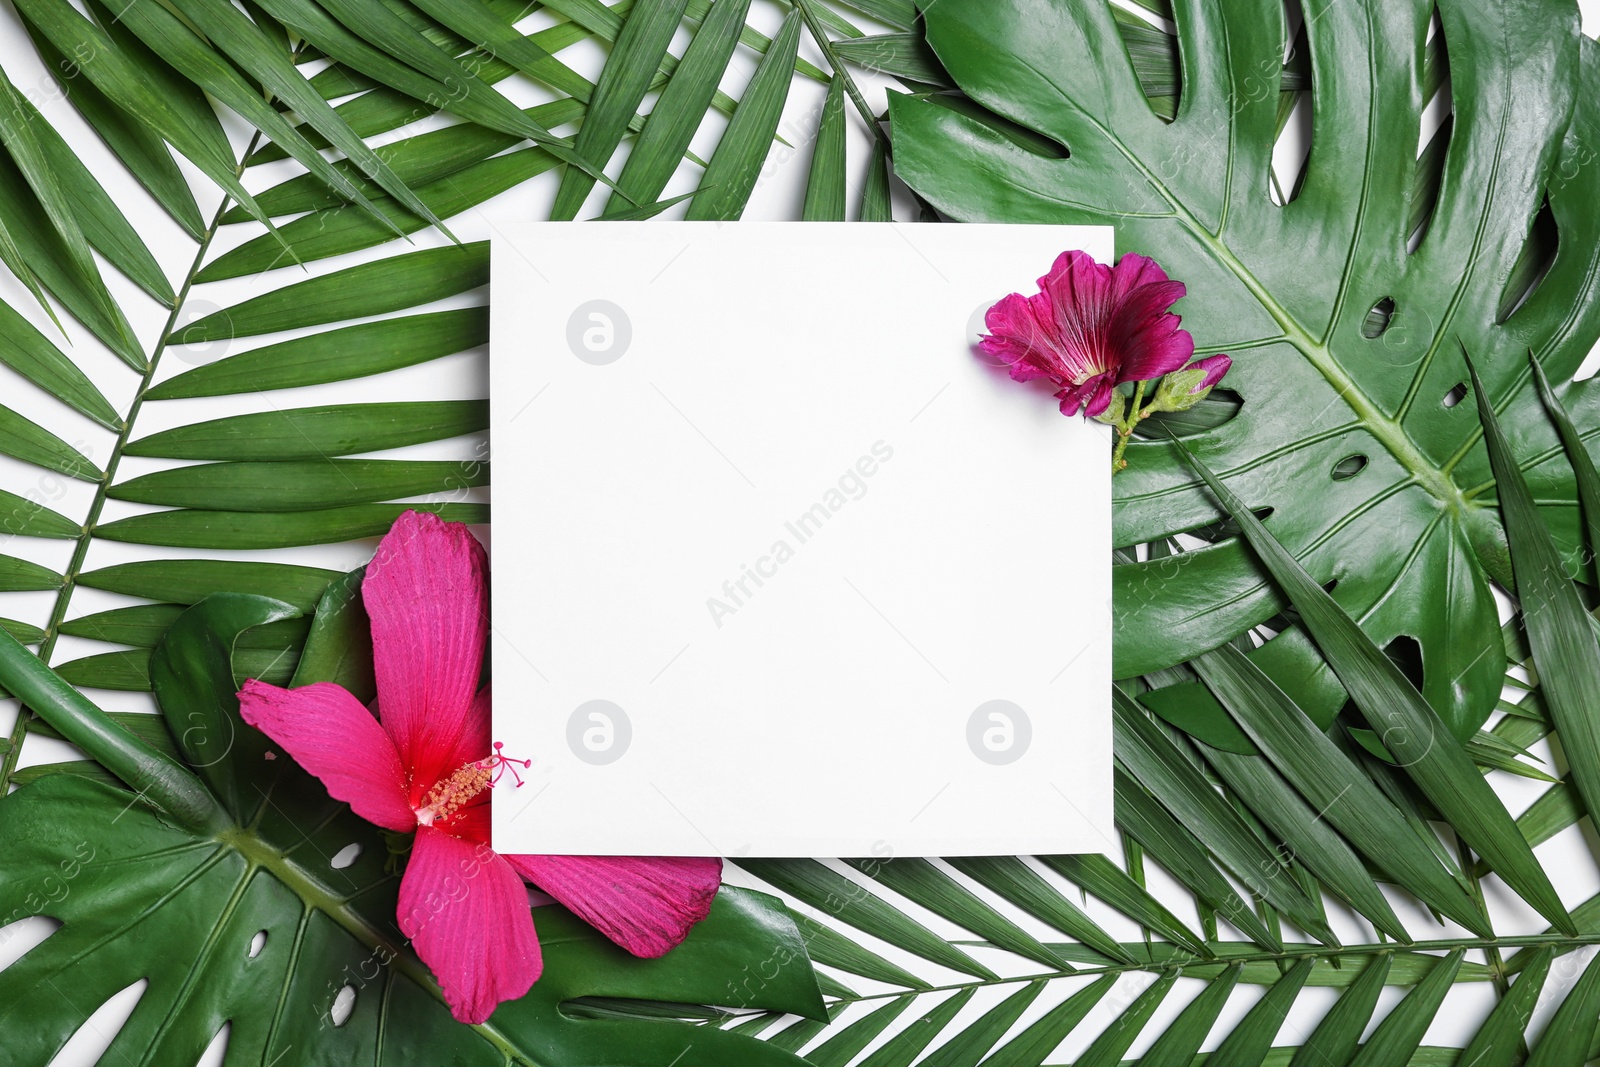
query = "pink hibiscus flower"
{"x": 424, "y": 765}
{"x": 1090, "y": 328}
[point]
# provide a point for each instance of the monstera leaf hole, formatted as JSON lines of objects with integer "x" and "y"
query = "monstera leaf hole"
{"x": 1435, "y": 125}
{"x": 21, "y": 936}
{"x": 345, "y": 856}
{"x": 91, "y": 1040}
{"x": 1155, "y": 60}
{"x": 344, "y": 1002}
{"x": 1456, "y": 395}
{"x": 257, "y": 943}
{"x": 214, "y": 1053}
{"x": 1348, "y": 467}
{"x": 1378, "y": 318}
{"x": 1430, "y": 172}
{"x": 1219, "y": 406}
{"x": 1538, "y": 254}
{"x": 1406, "y": 654}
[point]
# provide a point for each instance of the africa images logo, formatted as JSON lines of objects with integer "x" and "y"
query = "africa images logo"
{"x": 851, "y": 485}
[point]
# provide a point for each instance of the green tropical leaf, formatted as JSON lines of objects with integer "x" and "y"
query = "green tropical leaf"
{"x": 1563, "y": 646}
{"x": 189, "y": 581}
{"x": 904, "y": 1048}
{"x": 394, "y": 284}
{"x": 1178, "y": 1043}
{"x": 659, "y": 148}
{"x": 1250, "y": 1041}
{"x": 1570, "y": 1036}
{"x": 923, "y": 883}
{"x": 1412, "y": 538}
{"x": 24, "y": 439}
{"x": 825, "y": 188}
{"x": 969, "y": 1046}
{"x": 735, "y": 166}
{"x": 28, "y": 352}
{"x": 1174, "y": 846}
{"x": 344, "y": 228}
{"x": 833, "y": 893}
{"x": 639, "y": 48}
{"x": 1013, "y": 880}
{"x": 844, "y": 1045}
{"x": 1338, "y": 1035}
{"x": 238, "y": 864}
{"x": 1155, "y": 761}
{"x": 1400, "y": 1033}
{"x": 126, "y": 72}
{"x": 1246, "y": 832}
{"x": 19, "y": 132}
{"x": 1333, "y": 785}
{"x": 1407, "y": 725}
{"x": 248, "y": 529}
{"x": 308, "y": 433}
{"x": 104, "y": 227}
{"x": 1499, "y": 1042}
{"x": 1114, "y": 1041}
{"x": 332, "y": 355}
{"x": 139, "y": 148}
{"x": 1108, "y": 882}
{"x": 1033, "y": 1044}
{"x": 904, "y": 55}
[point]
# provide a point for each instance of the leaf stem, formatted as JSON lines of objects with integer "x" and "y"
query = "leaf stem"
{"x": 1125, "y": 427}
{"x": 1562, "y": 942}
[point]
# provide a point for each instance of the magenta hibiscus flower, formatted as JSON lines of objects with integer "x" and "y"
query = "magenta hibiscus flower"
{"x": 1090, "y": 328}
{"x": 424, "y": 765}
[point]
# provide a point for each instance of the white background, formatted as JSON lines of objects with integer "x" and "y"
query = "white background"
{"x": 1569, "y": 857}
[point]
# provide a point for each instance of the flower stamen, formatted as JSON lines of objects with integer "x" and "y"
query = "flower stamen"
{"x": 502, "y": 763}
{"x": 451, "y": 794}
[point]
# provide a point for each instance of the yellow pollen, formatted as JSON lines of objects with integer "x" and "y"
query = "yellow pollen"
{"x": 447, "y": 796}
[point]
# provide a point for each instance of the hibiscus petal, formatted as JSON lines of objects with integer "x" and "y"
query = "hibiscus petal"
{"x": 330, "y": 734}
{"x": 1080, "y": 294}
{"x": 1133, "y": 271}
{"x": 471, "y": 822}
{"x": 1072, "y": 397}
{"x": 644, "y": 904}
{"x": 1100, "y": 398}
{"x": 1014, "y": 335}
{"x": 1145, "y": 305}
{"x": 1079, "y": 280}
{"x": 1157, "y": 348}
{"x": 426, "y": 592}
{"x": 466, "y": 913}
{"x": 1146, "y": 334}
{"x": 474, "y": 742}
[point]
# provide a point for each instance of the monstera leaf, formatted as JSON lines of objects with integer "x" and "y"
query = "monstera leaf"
{"x": 1346, "y": 309}
{"x": 238, "y": 903}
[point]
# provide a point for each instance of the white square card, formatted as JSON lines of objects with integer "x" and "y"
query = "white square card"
{"x": 782, "y": 566}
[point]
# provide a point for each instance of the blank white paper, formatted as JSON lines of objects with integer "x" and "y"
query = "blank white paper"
{"x": 782, "y": 565}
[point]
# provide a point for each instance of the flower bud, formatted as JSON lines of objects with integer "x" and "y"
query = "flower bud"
{"x": 1183, "y": 389}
